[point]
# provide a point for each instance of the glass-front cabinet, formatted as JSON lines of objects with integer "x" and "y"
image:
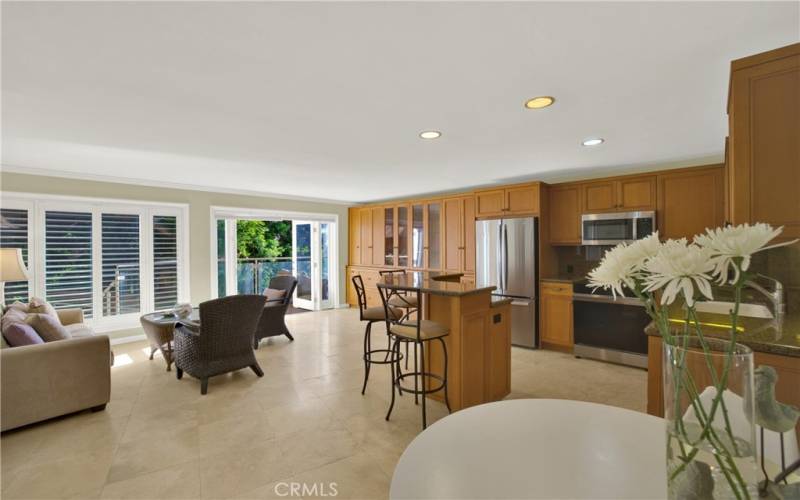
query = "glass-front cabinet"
{"x": 408, "y": 236}
{"x": 418, "y": 239}
{"x": 434, "y": 235}
{"x": 389, "y": 248}
{"x": 402, "y": 236}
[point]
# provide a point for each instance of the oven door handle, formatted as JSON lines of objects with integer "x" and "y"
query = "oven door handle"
{"x": 605, "y": 299}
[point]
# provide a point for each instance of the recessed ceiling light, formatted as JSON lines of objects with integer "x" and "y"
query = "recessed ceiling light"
{"x": 540, "y": 102}
{"x": 430, "y": 134}
{"x": 595, "y": 141}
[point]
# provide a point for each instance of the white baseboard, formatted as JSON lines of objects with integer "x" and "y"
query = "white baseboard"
{"x": 127, "y": 340}
{"x": 343, "y": 306}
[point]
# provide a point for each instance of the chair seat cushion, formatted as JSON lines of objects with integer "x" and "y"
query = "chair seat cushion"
{"x": 428, "y": 330}
{"x": 404, "y": 301}
{"x": 377, "y": 313}
{"x": 273, "y": 294}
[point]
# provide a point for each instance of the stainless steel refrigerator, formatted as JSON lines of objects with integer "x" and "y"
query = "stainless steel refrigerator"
{"x": 506, "y": 254}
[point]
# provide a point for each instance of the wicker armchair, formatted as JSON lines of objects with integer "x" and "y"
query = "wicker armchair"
{"x": 272, "y": 322}
{"x": 223, "y": 340}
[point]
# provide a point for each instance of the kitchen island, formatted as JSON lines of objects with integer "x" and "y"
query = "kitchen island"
{"x": 774, "y": 342}
{"x": 479, "y": 343}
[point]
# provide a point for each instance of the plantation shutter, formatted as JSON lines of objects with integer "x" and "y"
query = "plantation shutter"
{"x": 14, "y": 234}
{"x": 121, "y": 267}
{"x": 68, "y": 260}
{"x": 165, "y": 261}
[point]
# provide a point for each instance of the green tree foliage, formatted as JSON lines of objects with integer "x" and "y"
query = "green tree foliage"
{"x": 258, "y": 239}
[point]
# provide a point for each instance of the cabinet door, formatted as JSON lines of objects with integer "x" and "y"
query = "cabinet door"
{"x": 452, "y": 234}
{"x": 565, "y": 215}
{"x": 599, "y": 197}
{"x": 469, "y": 236}
{"x": 522, "y": 200}
{"x": 765, "y": 150}
{"x": 488, "y": 203}
{"x": 352, "y": 297}
{"x": 389, "y": 235}
{"x": 498, "y": 352}
{"x": 637, "y": 194}
{"x": 365, "y": 216}
{"x": 689, "y": 202}
{"x": 377, "y": 237}
{"x": 556, "y": 311}
{"x": 434, "y": 232}
{"x": 403, "y": 231}
{"x": 355, "y": 236}
{"x": 418, "y": 238}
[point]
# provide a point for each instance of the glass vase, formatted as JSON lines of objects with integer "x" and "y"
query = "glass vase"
{"x": 708, "y": 409}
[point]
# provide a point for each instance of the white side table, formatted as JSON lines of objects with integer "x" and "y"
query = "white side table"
{"x": 536, "y": 448}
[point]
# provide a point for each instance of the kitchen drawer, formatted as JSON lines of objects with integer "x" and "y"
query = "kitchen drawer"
{"x": 555, "y": 287}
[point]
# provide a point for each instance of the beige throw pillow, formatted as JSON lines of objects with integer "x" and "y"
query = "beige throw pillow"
{"x": 48, "y": 328}
{"x": 273, "y": 294}
{"x": 41, "y": 306}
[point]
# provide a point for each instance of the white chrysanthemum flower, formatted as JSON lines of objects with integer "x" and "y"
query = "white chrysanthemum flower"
{"x": 677, "y": 268}
{"x": 742, "y": 241}
{"x": 622, "y": 264}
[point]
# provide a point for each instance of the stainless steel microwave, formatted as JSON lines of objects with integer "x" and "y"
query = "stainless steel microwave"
{"x": 614, "y": 228}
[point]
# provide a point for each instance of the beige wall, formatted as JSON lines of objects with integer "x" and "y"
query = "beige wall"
{"x": 200, "y": 203}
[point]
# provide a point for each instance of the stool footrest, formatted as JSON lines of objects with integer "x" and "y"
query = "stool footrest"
{"x": 399, "y": 379}
{"x": 389, "y": 356}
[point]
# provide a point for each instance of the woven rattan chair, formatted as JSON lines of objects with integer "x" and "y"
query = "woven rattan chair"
{"x": 159, "y": 335}
{"x": 272, "y": 322}
{"x": 223, "y": 340}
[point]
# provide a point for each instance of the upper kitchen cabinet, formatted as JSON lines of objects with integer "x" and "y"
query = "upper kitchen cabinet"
{"x": 365, "y": 231}
{"x": 354, "y": 228}
{"x": 624, "y": 194}
{"x": 689, "y": 201}
{"x": 764, "y": 140}
{"x": 426, "y": 235}
{"x": 459, "y": 234}
{"x": 564, "y": 216}
{"x": 378, "y": 241}
{"x": 520, "y": 199}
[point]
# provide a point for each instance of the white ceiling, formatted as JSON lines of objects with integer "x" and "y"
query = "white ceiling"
{"x": 325, "y": 100}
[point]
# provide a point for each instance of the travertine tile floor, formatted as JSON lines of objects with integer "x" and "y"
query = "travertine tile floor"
{"x": 304, "y": 422}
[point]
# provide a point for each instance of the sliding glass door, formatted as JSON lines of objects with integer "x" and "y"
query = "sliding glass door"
{"x": 311, "y": 264}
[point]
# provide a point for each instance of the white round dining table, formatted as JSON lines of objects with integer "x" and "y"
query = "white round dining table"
{"x": 536, "y": 448}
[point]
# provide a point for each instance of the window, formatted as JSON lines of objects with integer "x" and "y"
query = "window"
{"x": 114, "y": 260}
{"x": 68, "y": 260}
{"x": 165, "y": 261}
{"x": 14, "y": 234}
{"x": 121, "y": 258}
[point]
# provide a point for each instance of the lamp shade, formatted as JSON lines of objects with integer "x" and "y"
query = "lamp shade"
{"x": 12, "y": 267}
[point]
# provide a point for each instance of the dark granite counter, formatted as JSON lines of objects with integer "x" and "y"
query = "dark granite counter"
{"x": 436, "y": 283}
{"x": 761, "y": 335}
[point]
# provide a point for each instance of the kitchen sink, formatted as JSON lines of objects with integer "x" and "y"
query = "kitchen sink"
{"x": 745, "y": 310}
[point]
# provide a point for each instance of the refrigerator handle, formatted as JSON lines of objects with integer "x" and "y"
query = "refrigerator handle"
{"x": 505, "y": 256}
{"x": 500, "y": 257}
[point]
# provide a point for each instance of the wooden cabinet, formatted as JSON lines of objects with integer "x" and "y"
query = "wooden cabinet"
{"x": 426, "y": 235}
{"x": 459, "y": 234}
{"x": 354, "y": 228}
{"x": 556, "y": 315}
{"x": 514, "y": 200}
{"x": 628, "y": 193}
{"x": 377, "y": 236}
{"x": 564, "y": 217}
{"x": 498, "y": 354}
{"x": 365, "y": 223}
{"x": 689, "y": 201}
{"x": 764, "y": 149}
{"x": 370, "y": 278}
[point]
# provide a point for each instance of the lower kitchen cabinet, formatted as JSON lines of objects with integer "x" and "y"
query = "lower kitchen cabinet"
{"x": 370, "y": 278}
{"x": 498, "y": 354}
{"x": 555, "y": 309}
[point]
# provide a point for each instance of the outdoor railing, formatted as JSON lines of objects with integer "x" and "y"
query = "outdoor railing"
{"x": 253, "y": 275}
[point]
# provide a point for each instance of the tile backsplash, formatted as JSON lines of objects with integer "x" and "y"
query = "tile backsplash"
{"x": 782, "y": 264}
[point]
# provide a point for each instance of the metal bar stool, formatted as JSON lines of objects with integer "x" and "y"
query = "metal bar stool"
{"x": 417, "y": 332}
{"x": 403, "y": 300}
{"x": 373, "y": 315}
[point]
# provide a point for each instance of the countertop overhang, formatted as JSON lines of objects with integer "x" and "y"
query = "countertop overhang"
{"x": 436, "y": 283}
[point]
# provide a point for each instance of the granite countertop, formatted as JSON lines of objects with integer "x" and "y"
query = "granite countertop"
{"x": 436, "y": 283}
{"x": 498, "y": 301}
{"x": 761, "y": 335}
{"x": 563, "y": 279}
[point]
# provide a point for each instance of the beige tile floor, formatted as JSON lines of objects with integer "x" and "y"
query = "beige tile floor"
{"x": 305, "y": 422}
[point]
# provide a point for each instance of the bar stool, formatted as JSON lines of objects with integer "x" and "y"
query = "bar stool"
{"x": 403, "y": 300}
{"x": 373, "y": 315}
{"x": 417, "y": 332}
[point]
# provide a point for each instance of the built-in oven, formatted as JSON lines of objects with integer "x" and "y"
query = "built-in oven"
{"x": 609, "y": 329}
{"x": 617, "y": 227}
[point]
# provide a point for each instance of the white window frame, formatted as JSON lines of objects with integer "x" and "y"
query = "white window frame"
{"x": 234, "y": 213}
{"x": 38, "y": 204}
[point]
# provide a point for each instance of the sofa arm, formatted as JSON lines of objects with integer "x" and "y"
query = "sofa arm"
{"x": 48, "y": 380}
{"x": 70, "y": 316}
